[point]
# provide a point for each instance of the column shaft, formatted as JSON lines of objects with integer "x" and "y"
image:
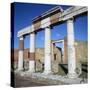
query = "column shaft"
{"x": 32, "y": 53}
{"x": 20, "y": 54}
{"x": 71, "y": 49}
{"x": 47, "y": 61}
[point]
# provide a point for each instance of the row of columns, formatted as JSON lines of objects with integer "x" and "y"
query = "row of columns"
{"x": 47, "y": 59}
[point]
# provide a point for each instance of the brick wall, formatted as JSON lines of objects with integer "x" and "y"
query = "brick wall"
{"x": 80, "y": 48}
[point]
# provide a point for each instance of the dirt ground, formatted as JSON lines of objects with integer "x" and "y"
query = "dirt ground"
{"x": 24, "y": 82}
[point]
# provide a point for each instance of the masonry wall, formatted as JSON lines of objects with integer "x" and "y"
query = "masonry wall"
{"x": 81, "y": 55}
{"x": 81, "y": 50}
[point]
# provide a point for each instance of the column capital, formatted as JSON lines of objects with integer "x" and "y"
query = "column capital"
{"x": 32, "y": 33}
{"x": 70, "y": 19}
{"x": 21, "y": 43}
{"x": 21, "y": 37}
{"x": 49, "y": 27}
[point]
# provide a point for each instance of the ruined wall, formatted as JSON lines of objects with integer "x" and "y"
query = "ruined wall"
{"x": 81, "y": 55}
{"x": 65, "y": 55}
{"x": 39, "y": 59}
{"x": 56, "y": 58}
{"x": 81, "y": 51}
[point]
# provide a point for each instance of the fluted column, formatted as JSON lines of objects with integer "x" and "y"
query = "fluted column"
{"x": 71, "y": 49}
{"x": 20, "y": 53}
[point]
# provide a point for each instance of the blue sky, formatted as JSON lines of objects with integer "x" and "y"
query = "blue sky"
{"x": 25, "y": 12}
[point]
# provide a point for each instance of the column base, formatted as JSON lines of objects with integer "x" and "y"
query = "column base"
{"x": 20, "y": 72}
{"x": 31, "y": 66}
{"x": 19, "y": 69}
{"x": 47, "y": 72}
{"x": 72, "y": 75}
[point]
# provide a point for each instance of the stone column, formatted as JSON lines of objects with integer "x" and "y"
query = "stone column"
{"x": 47, "y": 60}
{"x": 20, "y": 53}
{"x": 32, "y": 53}
{"x": 71, "y": 49}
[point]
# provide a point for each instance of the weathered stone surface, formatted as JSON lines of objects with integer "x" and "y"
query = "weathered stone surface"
{"x": 39, "y": 66}
{"x": 50, "y": 79}
{"x": 55, "y": 67}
